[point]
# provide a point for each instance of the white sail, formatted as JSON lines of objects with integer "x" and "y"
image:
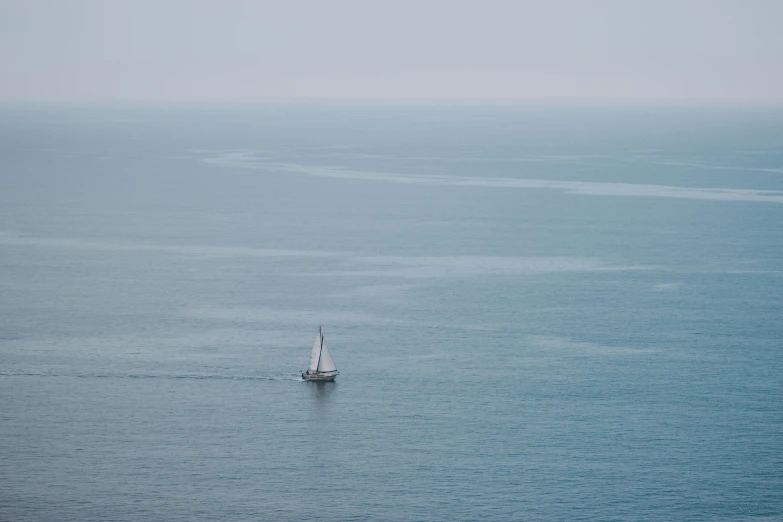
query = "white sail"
{"x": 325, "y": 363}
{"x": 315, "y": 353}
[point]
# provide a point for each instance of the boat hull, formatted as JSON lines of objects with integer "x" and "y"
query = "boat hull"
{"x": 321, "y": 377}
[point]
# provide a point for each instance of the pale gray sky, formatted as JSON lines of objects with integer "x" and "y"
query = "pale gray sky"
{"x": 600, "y": 50}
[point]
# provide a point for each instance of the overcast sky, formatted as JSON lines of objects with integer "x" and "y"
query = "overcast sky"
{"x": 600, "y": 50}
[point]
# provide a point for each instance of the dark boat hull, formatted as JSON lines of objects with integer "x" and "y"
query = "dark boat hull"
{"x": 321, "y": 377}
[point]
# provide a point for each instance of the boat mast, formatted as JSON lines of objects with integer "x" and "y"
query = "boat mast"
{"x": 321, "y": 350}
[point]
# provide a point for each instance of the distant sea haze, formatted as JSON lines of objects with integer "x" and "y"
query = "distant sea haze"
{"x": 536, "y": 313}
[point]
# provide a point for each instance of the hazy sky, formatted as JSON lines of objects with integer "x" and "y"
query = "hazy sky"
{"x": 607, "y": 50}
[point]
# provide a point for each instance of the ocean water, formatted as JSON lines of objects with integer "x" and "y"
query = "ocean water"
{"x": 537, "y": 313}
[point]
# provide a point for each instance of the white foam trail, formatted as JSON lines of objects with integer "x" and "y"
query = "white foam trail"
{"x": 565, "y": 159}
{"x": 386, "y": 292}
{"x": 335, "y": 147}
{"x": 13, "y": 238}
{"x": 410, "y": 267}
{"x": 289, "y": 316}
{"x": 467, "y": 266}
{"x": 773, "y": 152}
{"x": 718, "y": 167}
{"x": 244, "y": 159}
{"x": 566, "y": 346}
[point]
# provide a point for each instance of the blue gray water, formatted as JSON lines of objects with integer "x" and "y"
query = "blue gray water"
{"x": 537, "y": 313}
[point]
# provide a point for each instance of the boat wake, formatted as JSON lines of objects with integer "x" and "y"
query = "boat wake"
{"x": 259, "y": 376}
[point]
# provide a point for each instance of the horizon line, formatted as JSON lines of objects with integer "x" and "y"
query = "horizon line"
{"x": 546, "y": 102}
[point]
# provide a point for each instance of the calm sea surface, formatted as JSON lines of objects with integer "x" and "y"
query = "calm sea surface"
{"x": 537, "y": 313}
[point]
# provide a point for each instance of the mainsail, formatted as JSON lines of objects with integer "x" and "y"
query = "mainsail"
{"x": 325, "y": 363}
{"x": 316, "y": 352}
{"x": 321, "y": 367}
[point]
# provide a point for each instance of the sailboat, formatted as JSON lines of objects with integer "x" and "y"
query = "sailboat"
{"x": 321, "y": 367}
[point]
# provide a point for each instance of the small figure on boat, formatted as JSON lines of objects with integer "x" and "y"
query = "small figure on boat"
{"x": 321, "y": 367}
